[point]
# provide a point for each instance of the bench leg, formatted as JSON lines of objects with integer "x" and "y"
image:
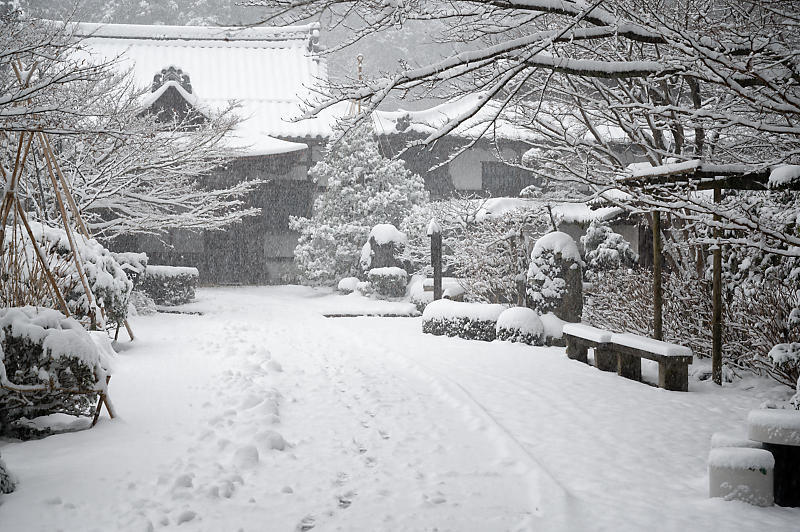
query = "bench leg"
{"x": 576, "y": 351}
{"x": 629, "y": 366}
{"x": 673, "y": 376}
{"x": 605, "y": 359}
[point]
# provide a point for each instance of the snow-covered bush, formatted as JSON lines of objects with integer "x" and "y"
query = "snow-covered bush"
{"x": 383, "y": 248}
{"x": 484, "y": 246}
{"x": 170, "y": 285}
{"x": 7, "y": 481}
{"x": 606, "y": 250}
{"x": 388, "y": 282}
{"x": 48, "y": 364}
{"x": 348, "y": 285}
{"x": 133, "y": 264}
{"x": 141, "y": 303}
{"x": 472, "y": 321}
{"x": 365, "y": 288}
{"x": 520, "y": 324}
{"x": 105, "y": 277}
{"x": 786, "y": 359}
{"x": 363, "y": 189}
{"x": 554, "y": 281}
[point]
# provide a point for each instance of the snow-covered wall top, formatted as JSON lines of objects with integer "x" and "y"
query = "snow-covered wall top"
{"x": 270, "y": 71}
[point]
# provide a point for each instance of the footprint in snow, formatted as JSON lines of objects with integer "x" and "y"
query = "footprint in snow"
{"x": 345, "y": 500}
{"x": 307, "y": 523}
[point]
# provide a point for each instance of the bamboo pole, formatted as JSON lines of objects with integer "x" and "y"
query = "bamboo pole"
{"x": 70, "y": 200}
{"x": 716, "y": 309}
{"x": 70, "y": 237}
{"x": 658, "y": 301}
{"x": 43, "y": 261}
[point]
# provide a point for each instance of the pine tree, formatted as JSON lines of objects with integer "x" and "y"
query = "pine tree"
{"x": 364, "y": 189}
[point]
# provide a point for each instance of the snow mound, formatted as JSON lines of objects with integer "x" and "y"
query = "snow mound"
{"x": 386, "y": 233}
{"x": 348, "y": 284}
{"x": 553, "y": 325}
{"x": 785, "y": 353}
{"x": 522, "y": 319}
{"x": 447, "y": 309}
{"x": 784, "y": 175}
{"x": 558, "y": 243}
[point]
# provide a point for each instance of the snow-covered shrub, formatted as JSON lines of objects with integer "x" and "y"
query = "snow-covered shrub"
{"x": 7, "y": 481}
{"x": 363, "y": 189}
{"x": 786, "y": 359}
{"x": 133, "y": 264}
{"x": 365, "y": 288}
{"x": 348, "y": 285}
{"x": 43, "y": 357}
{"x": 484, "y": 243}
{"x": 106, "y": 279}
{"x": 141, "y": 303}
{"x": 472, "y": 321}
{"x": 383, "y": 248}
{"x": 606, "y": 250}
{"x": 555, "y": 280}
{"x": 170, "y": 285}
{"x": 520, "y": 324}
{"x": 388, "y": 282}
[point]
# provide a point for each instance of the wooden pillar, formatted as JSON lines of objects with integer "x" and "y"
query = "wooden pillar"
{"x": 716, "y": 309}
{"x": 435, "y": 232}
{"x": 658, "y": 302}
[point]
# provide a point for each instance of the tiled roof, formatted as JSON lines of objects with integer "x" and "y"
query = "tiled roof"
{"x": 270, "y": 71}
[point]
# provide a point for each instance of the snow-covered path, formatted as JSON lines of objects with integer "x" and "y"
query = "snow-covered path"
{"x": 263, "y": 415}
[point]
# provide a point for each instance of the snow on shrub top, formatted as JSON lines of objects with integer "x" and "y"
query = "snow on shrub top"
{"x": 557, "y": 242}
{"x": 447, "y": 309}
{"x": 521, "y": 319}
{"x": 172, "y": 271}
{"x": 785, "y": 353}
{"x": 59, "y": 336}
{"x": 783, "y": 175}
{"x": 348, "y": 284}
{"x": 389, "y": 271}
{"x": 386, "y": 233}
{"x": 107, "y": 280}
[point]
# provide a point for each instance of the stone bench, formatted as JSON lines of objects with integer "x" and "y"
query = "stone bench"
{"x": 623, "y": 353}
{"x": 673, "y": 360}
{"x": 580, "y": 338}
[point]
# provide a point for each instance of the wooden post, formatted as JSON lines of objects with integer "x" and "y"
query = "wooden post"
{"x": 716, "y": 309}
{"x": 658, "y": 302}
{"x": 435, "y": 232}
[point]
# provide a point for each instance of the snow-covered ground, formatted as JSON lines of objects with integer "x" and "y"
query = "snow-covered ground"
{"x": 261, "y": 414}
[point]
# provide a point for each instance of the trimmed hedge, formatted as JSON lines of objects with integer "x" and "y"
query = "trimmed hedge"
{"x": 471, "y": 321}
{"x": 169, "y": 285}
{"x": 389, "y": 282}
{"x": 520, "y": 324}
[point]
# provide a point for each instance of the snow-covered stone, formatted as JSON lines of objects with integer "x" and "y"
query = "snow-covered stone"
{"x": 554, "y": 279}
{"x": 348, "y": 284}
{"x": 743, "y": 474}
{"x": 778, "y": 426}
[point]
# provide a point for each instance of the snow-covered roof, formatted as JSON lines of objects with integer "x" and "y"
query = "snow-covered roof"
{"x": 269, "y": 71}
{"x": 490, "y": 120}
{"x": 429, "y": 120}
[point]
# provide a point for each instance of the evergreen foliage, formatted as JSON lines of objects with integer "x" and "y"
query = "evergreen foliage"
{"x": 606, "y": 250}
{"x": 364, "y": 189}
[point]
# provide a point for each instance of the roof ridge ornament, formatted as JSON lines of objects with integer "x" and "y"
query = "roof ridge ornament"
{"x": 171, "y": 73}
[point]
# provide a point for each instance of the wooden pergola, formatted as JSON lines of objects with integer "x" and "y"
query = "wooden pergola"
{"x": 696, "y": 175}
